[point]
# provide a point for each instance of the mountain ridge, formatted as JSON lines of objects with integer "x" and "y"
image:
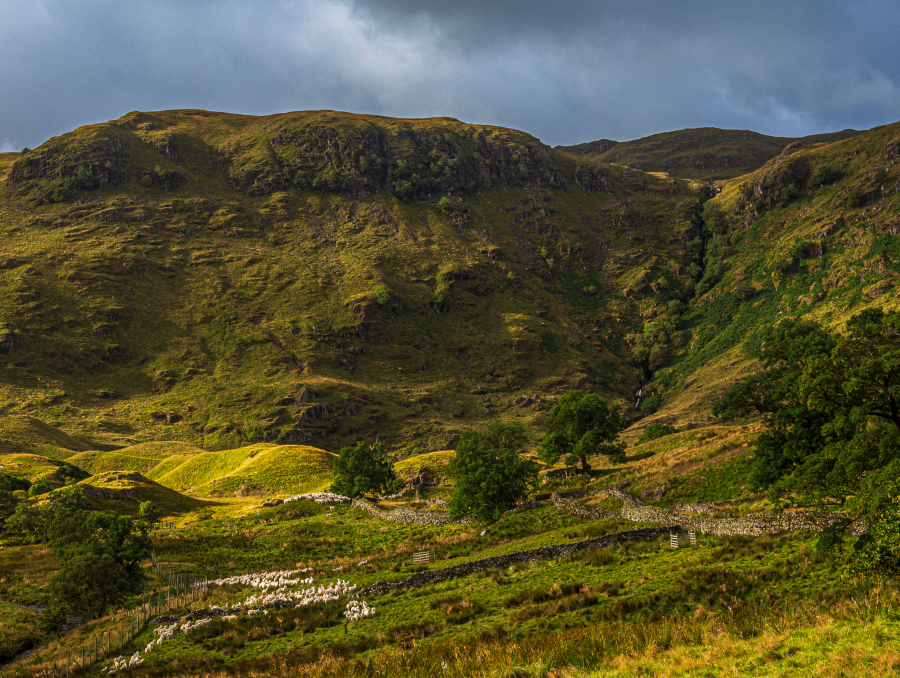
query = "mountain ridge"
{"x": 703, "y": 153}
{"x": 318, "y": 277}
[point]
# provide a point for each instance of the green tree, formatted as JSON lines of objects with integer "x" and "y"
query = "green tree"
{"x": 8, "y": 504}
{"x": 58, "y": 520}
{"x": 656, "y": 430}
{"x": 52, "y": 619}
{"x": 793, "y": 429}
{"x": 581, "y": 427}
{"x": 832, "y": 406}
{"x": 88, "y": 583}
{"x": 149, "y": 512}
{"x": 491, "y": 475}
{"x": 363, "y": 468}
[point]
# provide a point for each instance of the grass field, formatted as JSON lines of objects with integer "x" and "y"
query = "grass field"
{"x": 246, "y": 295}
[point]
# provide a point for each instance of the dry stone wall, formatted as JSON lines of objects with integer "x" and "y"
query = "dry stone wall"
{"x": 752, "y": 525}
{"x": 497, "y": 562}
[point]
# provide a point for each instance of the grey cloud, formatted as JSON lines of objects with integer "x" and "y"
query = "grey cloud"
{"x": 564, "y": 71}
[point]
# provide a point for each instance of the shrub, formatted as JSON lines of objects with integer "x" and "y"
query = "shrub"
{"x": 713, "y": 220}
{"x": 826, "y": 174}
{"x": 52, "y": 620}
{"x": 857, "y": 197}
{"x": 744, "y": 291}
{"x": 364, "y": 468}
{"x": 40, "y": 486}
{"x": 803, "y": 249}
{"x": 656, "y": 430}
{"x": 783, "y": 265}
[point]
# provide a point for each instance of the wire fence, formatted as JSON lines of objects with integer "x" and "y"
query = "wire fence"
{"x": 180, "y": 590}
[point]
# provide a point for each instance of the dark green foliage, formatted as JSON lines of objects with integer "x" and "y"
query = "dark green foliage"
{"x": 363, "y": 468}
{"x": 59, "y": 521}
{"x": 99, "y": 553}
{"x": 783, "y": 265}
{"x": 11, "y": 483}
{"x": 803, "y": 249}
{"x": 581, "y": 427}
{"x": 491, "y": 475}
{"x": 826, "y": 174}
{"x": 831, "y": 539}
{"x": 88, "y": 583}
{"x": 794, "y": 431}
{"x": 832, "y": 406}
{"x": 149, "y": 512}
{"x": 651, "y": 403}
{"x": 713, "y": 219}
{"x": 83, "y": 180}
{"x": 743, "y": 290}
{"x": 52, "y": 620}
{"x": 39, "y": 487}
{"x": 8, "y": 504}
{"x": 857, "y": 197}
{"x": 654, "y": 348}
{"x": 25, "y": 150}
{"x": 656, "y": 430}
{"x": 168, "y": 179}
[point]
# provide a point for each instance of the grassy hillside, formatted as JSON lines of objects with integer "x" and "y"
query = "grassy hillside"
{"x": 705, "y": 154}
{"x": 812, "y": 234}
{"x": 25, "y": 434}
{"x": 125, "y": 491}
{"x": 320, "y": 277}
{"x": 282, "y": 468}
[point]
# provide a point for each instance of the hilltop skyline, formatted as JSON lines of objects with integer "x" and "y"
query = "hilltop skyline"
{"x": 566, "y": 74}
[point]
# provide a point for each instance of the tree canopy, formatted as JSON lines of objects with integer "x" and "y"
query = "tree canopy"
{"x": 491, "y": 475}
{"x": 832, "y": 407}
{"x": 99, "y": 553}
{"x": 363, "y": 468}
{"x": 581, "y": 427}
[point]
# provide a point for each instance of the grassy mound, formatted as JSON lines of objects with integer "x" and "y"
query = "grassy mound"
{"x": 124, "y": 492}
{"x": 23, "y": 434}
{"x": 436, "y": 464}
{"x": 141, "y": 458}
{"x": 34, "y": 467}
{"x": 257, "y": 468}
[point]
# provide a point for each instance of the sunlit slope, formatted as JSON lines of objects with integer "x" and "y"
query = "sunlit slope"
{"x": 140, "y": 458}
{"x": 319, "y": 277}
{"x": 28, "y": 435}
{"x": 701, "y": 465}
{"x": 435, "y": 464}
{"x": 706, "y": 153}
{"x": 279, "y": 468}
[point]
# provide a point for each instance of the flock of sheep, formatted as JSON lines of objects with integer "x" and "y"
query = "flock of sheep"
{"x": 320, "y": 498}
{"x": 256, "y": 604}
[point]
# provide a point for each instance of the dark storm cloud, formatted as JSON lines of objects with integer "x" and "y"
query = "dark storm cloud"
{"x": 564, "y": 71}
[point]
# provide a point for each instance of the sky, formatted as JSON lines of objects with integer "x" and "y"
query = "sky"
{"x": 566, "y": 71}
